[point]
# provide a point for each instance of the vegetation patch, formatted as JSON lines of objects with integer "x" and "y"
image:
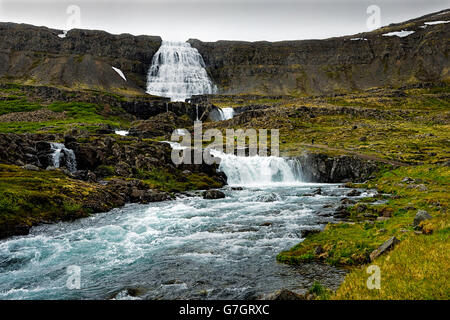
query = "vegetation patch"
{"x": 415, "y": 269}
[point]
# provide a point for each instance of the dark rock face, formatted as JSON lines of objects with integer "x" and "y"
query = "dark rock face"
{"x": 213, "y": 194}
{"x": 83, "y": 57}
{"x": 160, "y": 125}
{"x": 331, "y": 65}
{"x": 318, "y": 167}
{"x": 385, "y": 247}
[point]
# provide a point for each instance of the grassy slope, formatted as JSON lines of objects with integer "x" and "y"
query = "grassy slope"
{"x": 28, "y": 197}
{"x": 78, "y": 114}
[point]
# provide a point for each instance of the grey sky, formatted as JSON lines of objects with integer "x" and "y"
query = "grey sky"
{"x": 212, "y": 20}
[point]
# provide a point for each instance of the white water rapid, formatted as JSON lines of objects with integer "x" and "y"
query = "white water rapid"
{"x": 226, "y": 113}
{"x": 259, "y": 171}
{"x": 59, "y": 152}
{"x": 178, "y": 72}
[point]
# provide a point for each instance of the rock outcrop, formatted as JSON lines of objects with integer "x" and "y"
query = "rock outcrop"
{"x": 83, "y": 58}
{"x": 319, "y": 167}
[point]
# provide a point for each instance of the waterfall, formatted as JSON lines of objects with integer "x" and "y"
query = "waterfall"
{"x": 178, "y": 72}
{"x": 61, "y": 152}
{"x": 258, "y": 171}
{"x": 226, "y": 113}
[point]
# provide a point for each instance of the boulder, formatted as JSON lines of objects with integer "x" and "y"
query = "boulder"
{"x": 421, "y": 215}
{"x": 385, "y": 247}
{"x": 354, "y": 193}
{"x": 284, "y": 294}
{"x": 271, "y": 197}
{"x": 213, "y": 194}
{"x": 30, "y": 167}
{"x": 307, "y": 232}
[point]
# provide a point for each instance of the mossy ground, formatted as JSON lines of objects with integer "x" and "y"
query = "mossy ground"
{"x": 418, "y": 267}
{"x": 30, "y": 197}
{"x": 177, "y": 182}
{"x": 406, "y": 125}
{"x": 84, "y": 115}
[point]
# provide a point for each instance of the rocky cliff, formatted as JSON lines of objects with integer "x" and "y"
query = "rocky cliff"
{"x": 333, "y": 65}
{"x": 84, "y": 59}
{"x": 80, "y": 59}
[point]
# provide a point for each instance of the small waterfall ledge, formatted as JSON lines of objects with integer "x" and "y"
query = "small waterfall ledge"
{"x": 178, "y": 72}
{"x": 61, "y": 153}
{"x": 259, "y": 171}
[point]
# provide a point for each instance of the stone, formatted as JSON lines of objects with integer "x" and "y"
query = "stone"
{"x": 354, "y": 193}
{"x": 318, "y": 250}
{"x": 266, "y": 224}
{"x": 407, "y": 180}
{"x": 284, "y": 294}
{"x": 348, "y": 201}
{"x": 213, "y": 194}
{"x": 307, "y": 232}
{"x": 30, "y": 167}
{"x": 421, "y": 215}
{"x": 385, "y": 247}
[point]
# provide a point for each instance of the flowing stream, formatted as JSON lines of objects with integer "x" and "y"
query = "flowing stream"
{"x": 187, "y": 248}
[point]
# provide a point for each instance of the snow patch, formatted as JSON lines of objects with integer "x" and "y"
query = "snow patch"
{"x": 358, "y": 39}
{"x": 431, "y": 23}
{"x": 401, "y": 34}
{"x": 121, "y": 132}
{"x": 120, "y": 73}
{"x": 63, "y": 35}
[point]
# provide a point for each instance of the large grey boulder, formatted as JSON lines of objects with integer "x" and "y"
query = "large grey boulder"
{"x": 385, "y": 247}
{"x": 421, "y": 215}
{"x": 213, "y": 194}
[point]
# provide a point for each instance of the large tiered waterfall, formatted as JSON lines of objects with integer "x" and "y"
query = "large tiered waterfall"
{"x": 178, "y": 72}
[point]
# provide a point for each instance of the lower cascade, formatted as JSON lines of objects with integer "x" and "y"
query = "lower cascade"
{"x": 226, "y": 113}
{"x": 60, "y": 152}
{"x": 178, "y": 72}
{"x": 258, "y": 171}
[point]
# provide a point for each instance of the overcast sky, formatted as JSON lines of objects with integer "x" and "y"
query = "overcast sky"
{"x": 211, "y": 20}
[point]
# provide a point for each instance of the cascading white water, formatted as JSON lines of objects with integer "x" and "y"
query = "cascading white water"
{"x": 258, "y": 171}
{"x": 178, "y": 72}
{"x": 226, "y": 113}
{"x": 60, "y": 150}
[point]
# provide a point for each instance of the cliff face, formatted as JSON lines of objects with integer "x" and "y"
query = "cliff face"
{"x": 81, "y": 59}
{"x": 333, "y": 65}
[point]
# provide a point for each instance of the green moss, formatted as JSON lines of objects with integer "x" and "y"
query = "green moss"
{"x": 176, "y": 181}
{"x": 350, "y": 244}
{"x": 30, "y": 197}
